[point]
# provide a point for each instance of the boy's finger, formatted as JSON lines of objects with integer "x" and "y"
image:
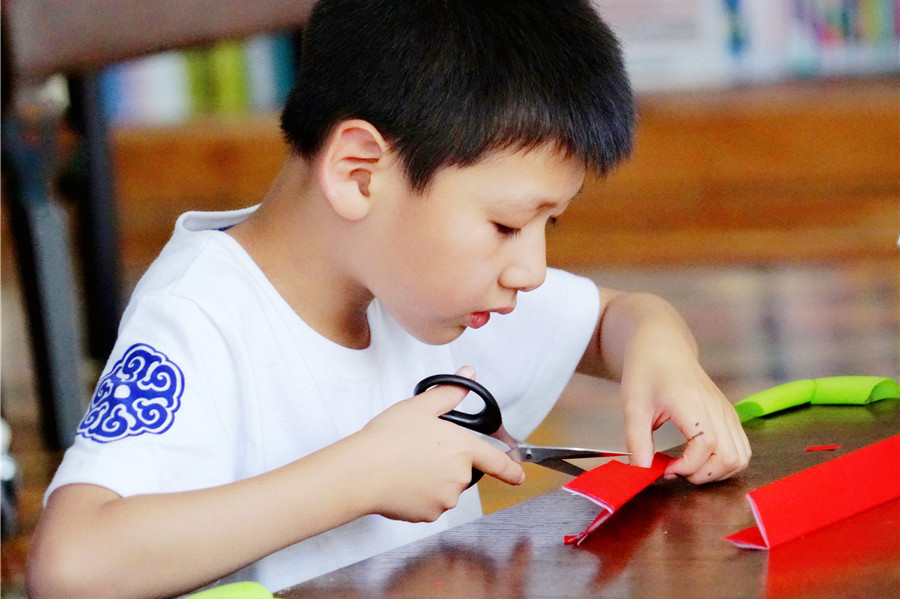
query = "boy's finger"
{"x": 739, "y": 436}
{"x": 701, "y": 443}
{"x": 494, "y": 462}
{"x": 443, "y": 398}
{"x": 711, "y": 456}
{"x": 639, "y": 439}
{"x": 716, "y": 452}
{"x": 715, "y": 469}
{"x": 736, "y": 456}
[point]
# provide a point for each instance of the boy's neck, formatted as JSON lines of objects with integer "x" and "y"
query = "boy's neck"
{"x": 291, "y": 239}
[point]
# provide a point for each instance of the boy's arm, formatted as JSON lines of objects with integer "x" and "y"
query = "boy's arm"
{"x": 643, "y": 342}
{"x": 406, "y": 464}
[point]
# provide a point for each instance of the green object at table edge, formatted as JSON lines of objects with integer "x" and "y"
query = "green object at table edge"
{"x": 236, "y": 590}
{"x": 834, "y": 390}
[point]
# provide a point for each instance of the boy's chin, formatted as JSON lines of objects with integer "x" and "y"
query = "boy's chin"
{"x": 439, "y": 335}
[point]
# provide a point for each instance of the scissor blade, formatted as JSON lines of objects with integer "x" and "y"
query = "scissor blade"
{"x": 563, "y": 466}
{"x": 539, "y": 454}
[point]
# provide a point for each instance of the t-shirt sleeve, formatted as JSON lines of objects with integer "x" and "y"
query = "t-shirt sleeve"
{"x": 526, "y": 358}
{"x": 160, "y": 419}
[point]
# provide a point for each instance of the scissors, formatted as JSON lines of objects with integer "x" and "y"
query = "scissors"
{"x": 489, "y": 422}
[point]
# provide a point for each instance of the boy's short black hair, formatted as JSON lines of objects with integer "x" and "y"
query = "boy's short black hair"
{"x": 447, "y": 81}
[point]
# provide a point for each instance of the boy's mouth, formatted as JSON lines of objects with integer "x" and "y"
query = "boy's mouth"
{"x": 481, "y": 318}
{"x": 478, "y": 319}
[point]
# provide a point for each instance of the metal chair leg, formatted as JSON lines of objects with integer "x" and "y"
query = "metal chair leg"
{"x": 97, "y": 223}
{"x": 38, "y": 227}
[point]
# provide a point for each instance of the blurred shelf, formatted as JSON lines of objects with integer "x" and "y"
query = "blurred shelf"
{"x": 797, "y": 171}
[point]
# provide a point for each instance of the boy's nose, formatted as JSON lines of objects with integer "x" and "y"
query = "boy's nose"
{"x": 527, "y": 268}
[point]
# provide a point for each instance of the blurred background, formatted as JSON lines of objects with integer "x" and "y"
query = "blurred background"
{"x": 762, "y": 199}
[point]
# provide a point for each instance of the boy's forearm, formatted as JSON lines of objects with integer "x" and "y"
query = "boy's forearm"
{"x": 164, "y": 544}
{"x": 405, "y": 464}
{"x": 624, "y": 316}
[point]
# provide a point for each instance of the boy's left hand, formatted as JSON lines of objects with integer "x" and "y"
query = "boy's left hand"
{"x": 662, "y": 380}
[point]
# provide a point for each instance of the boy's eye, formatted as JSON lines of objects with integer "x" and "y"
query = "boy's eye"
{"x": 507, "y": 231}
{"x": 513, "y": 231}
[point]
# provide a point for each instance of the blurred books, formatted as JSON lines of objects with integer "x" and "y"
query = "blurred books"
{"x": 672, "y": 44}
{"x": 668, "y": 45}
{"x": 227, "y": 78}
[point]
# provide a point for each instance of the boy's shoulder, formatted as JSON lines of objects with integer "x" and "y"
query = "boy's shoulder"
{"x": 201, "y": 261}
{"x": 198, "y": 255}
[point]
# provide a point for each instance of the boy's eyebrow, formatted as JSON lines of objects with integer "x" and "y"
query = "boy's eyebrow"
{"x": 539, "y": 204}
{"x": 542, "y": 204}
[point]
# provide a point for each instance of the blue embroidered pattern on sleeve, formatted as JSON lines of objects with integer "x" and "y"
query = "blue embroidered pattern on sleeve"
{"x": 139, "y": 395}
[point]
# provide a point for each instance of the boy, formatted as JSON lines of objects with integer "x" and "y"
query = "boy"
{"x": 255, "y": 412}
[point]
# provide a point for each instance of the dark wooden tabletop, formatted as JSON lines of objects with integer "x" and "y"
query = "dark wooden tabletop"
{"x": 666, "y": 542}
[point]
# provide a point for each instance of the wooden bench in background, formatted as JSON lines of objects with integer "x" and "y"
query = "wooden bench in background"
{"x": 800, "y": 171}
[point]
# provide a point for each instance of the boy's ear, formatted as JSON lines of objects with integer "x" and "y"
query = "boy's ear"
{"x": 354, "y": 154}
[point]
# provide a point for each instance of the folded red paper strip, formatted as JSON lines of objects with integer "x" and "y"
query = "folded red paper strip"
{"x": 611, "y": 486}
{"x": 823, "y": 447}
{"x": 822, "y": 495}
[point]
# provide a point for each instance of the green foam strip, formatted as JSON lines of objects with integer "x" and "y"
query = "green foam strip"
{"x": 834, "y": 390}
{"x": 782, "y": 397}
{"x": 237, "y": 590}
{"x": 855, "y": 390}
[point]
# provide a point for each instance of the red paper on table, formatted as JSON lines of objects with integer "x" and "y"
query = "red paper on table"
{"x": 823, "y": 447}
{"x": 816, "y": 497}
{"x": 611, "y": 486}
{"x": 831, "y": 562}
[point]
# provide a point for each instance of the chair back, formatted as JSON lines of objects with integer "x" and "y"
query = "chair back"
{"x": 72, "y": 36}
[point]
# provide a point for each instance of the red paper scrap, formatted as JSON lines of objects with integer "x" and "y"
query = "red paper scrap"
{"x": 611, "y": 486}
{"x": 823, "y": 447}
{"x": 822, "y": 495}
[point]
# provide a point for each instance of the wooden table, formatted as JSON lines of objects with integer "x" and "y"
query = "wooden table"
{"x": 667, "y": 542}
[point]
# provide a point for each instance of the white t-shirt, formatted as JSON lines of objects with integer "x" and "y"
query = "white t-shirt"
{"x": 214, "y": 378}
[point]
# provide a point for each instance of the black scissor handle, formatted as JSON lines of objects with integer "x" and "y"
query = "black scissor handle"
{"x": 486, "y": 422}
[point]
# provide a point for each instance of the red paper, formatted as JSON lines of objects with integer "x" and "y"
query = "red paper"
{"x": 822, "y": 495}
{"x": 611, "y": 486}
{"x": 837, "y": 560}
{"x": 823, "y": 447}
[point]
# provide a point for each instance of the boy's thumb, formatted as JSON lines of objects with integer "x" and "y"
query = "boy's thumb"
{"x": 447, "y": 397}
{"x": 466, "y": 371}
{"x": 639, "y": 441}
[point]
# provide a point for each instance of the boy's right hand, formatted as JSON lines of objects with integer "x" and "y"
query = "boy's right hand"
{"x": 405, "y": 464}
{"x": 423, "y": 463}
